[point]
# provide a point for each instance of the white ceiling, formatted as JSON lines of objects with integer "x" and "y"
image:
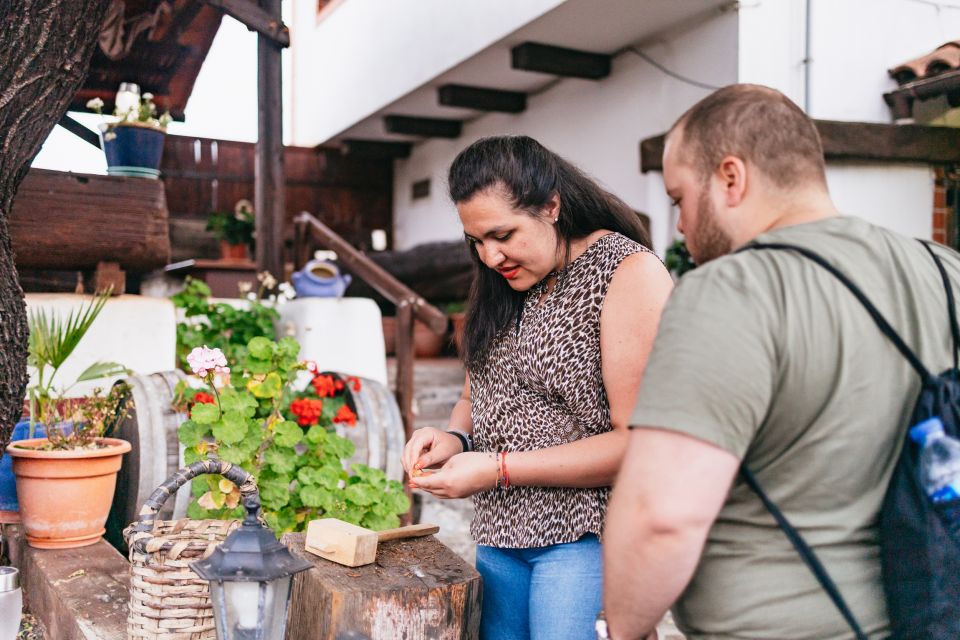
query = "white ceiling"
{"x": 600, "y": 26}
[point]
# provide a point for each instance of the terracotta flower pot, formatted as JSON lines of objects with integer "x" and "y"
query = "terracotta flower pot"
{"x": 233, "y": 251}
{"x": 65, "y": 496}
{"x": 426, "y": 344}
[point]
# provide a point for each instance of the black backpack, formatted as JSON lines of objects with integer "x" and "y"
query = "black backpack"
{"x": 919, "y": 548}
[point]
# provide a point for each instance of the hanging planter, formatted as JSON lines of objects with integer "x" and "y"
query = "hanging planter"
{"x": 133, "y": 149}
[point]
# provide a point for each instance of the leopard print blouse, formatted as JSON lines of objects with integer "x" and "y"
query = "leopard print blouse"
{"x": 540, "y": 387}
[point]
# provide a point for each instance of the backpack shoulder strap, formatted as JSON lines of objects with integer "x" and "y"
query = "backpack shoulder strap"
{"x": 878, "y": 318}
{"x": 806, "y": 553}
{"x": 951, "y": 304}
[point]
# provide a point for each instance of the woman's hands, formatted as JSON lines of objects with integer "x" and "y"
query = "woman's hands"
{"x": 463, "y": 475}
{"x": 427, "y": 448}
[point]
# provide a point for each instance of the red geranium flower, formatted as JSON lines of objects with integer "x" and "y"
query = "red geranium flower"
{"x": 346, "y": 416}
{"x": 307, "y": 410}
{"x": 324, "y": 386}
{"x": 354, "y": 383}
{"x": 202, "y": 397}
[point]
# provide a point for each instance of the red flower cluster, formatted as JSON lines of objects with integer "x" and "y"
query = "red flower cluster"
{"x": 346, "y": 416}
{"x": 326, "y": 386}
{"x": 354, "y": 382}
{"x": 307, "y": 410}
{"x": 202, "y": 397}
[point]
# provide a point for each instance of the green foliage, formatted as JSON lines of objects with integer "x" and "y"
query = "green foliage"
{"x": 678, "y": 259}
{"x": 299, "y": 467}
{"x": 236, "y": 227}
{"x": 219, "y": 326}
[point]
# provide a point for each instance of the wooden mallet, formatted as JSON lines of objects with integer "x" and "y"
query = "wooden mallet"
{"x": 353, "y": 546}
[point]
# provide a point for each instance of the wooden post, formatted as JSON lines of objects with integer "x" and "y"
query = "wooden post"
{"x": 269, "y": 194}
{"x": 405, "y": 364}
{"x": 404, "y": 393}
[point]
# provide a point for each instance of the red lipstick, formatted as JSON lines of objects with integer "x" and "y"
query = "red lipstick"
{"x": 510, "y": 273}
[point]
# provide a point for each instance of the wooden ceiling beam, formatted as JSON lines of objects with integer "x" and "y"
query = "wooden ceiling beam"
{"x": 858, "y": 141}
{"x": 481, "y": 99}
{"x": 357, "y": 148}
{"x": 426, "y": 127}
{"x": 255, "y": 18}
{"x": 560, "y": 61}
{"x": 79, "y": 130}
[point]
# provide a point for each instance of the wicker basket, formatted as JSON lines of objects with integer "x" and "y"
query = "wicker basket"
{"x": 168, "y": 601}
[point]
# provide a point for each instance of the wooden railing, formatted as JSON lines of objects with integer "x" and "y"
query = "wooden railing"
{"x": 410, "y": 306}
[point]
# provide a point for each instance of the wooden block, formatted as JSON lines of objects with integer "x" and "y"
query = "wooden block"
{"x": 110, "y": 277}
{"x": 77, "y": 594}
{"x": 341, "y": 542}
{"x": 417, "y": 589}
{"x": 353, "y": 546}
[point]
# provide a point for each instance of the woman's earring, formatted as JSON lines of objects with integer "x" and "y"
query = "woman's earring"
{"x": 555, "y": 219}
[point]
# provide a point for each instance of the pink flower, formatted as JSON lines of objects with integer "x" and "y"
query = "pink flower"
{"x": 203, "y": 360}
{"x": 311, "y": 366}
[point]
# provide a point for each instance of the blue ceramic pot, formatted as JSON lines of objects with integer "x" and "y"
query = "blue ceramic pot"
{"x": 8, "y": 483}
{"x": 133, "y": 150}
{"x": 320, "y": 279}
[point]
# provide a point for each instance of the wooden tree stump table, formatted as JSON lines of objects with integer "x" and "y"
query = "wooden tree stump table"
{"x": 417, "y": 589}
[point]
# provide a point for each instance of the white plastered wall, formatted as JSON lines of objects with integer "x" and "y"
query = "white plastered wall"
{"x": 596, "y": 125}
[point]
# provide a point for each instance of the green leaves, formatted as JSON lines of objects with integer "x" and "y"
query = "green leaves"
{"x": 287, "y": 434}
{"x": 191, "y": 433}
{"x": 300, "y": 470}
{"x": 205, "y": 413}
{"x": 270, "y": 387}
{"x": 260, "y": 348}
{"x": 282, "y": 461}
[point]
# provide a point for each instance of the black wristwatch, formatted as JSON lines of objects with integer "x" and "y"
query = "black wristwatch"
{"x": 466, "y": 439}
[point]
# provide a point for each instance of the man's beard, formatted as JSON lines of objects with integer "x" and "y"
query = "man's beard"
{"x": 709, "y": 241}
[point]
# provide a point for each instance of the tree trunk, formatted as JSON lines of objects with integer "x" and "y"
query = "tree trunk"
{"x": 46, "y": 52}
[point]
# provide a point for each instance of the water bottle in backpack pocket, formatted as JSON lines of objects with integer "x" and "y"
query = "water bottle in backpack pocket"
{"x": 939, "y": 469}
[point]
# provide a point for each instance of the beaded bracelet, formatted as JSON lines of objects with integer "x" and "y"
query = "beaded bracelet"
{"x": 503, "y": 466}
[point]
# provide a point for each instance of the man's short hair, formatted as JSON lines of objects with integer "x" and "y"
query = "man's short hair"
{"x": 757, "y": 124}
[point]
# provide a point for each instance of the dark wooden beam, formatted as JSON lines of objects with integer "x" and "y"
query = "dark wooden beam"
{"x": 559, "y": 61}
{"x": 255, "y": 18}
{"x": 458, "y": 95}
{"x": 79, "y": 130}
{"x": 427, "y": 127}
{"x": 376, "y": 148}
{"x": 269, "y": 180}
{"x": 858, "y": 141}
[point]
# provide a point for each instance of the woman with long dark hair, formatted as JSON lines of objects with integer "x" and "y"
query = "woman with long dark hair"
{"x": 561, "y": 317}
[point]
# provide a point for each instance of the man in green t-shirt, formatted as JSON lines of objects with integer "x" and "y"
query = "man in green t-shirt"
{"x": 763, "y": 357}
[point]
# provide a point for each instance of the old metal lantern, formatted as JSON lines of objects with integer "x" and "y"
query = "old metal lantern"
{"x": 250, "y": 576}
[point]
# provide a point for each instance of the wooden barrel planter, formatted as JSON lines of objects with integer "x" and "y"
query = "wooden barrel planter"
{"x": 151, "y": 428}
{"x": 378, "y": 434}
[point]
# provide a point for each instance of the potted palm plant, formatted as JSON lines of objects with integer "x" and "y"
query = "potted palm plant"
{"x": 65, "y": 479}
{"x": 133, "y": 142}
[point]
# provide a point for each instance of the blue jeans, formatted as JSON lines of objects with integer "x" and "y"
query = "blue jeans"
{"x": 544, "y": 593}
